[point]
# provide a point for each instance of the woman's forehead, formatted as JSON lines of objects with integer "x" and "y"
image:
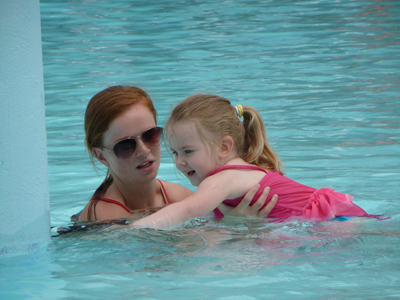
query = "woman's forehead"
{"x": 132, "y": 122}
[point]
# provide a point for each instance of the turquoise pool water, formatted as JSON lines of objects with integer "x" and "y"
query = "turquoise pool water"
{"x": 326, "y": 77}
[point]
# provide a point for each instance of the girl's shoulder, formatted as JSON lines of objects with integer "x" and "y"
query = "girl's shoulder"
{"x": 236, "y": 180}
{"x": 238, "y": 167}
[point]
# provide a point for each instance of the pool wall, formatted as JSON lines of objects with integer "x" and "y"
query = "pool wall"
{"x": 25, "y": 207}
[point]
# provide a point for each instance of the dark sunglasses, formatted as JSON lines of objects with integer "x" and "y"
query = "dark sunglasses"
{"x": 125, "y": 148}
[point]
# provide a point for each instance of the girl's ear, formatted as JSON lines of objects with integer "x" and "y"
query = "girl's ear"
{"x": 99, "y": 155}
{"x": 226, "y": 146}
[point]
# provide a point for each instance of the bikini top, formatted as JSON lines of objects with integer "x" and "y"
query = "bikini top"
{"x": 163, "y": 191}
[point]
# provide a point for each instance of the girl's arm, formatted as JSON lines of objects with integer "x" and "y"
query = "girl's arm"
{"x": 210, "y": 193}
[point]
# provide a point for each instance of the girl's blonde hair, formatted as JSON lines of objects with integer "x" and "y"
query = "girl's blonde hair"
{"x": 216, "y": 118}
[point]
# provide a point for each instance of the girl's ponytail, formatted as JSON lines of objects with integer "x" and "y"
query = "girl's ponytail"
{"x": 256, "y": 149}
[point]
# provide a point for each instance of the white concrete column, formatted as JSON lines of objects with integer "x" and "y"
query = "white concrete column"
{"x": 24, "y": 188}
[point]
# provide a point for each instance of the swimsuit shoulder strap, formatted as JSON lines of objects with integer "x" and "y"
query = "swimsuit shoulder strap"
{"x": 164, "y": 193}
{"x": 243, "y": 167}
{"x": 115, "y": 202}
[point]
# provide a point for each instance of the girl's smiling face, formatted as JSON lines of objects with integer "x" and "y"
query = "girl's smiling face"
{"x": 193, "y": 157}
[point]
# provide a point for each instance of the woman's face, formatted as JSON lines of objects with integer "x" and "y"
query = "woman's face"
{"x": 144, "y": 163}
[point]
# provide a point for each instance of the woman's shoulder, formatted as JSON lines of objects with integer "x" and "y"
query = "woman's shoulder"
{"x": 104, "y": 211}
{"x": 175, "y": 191}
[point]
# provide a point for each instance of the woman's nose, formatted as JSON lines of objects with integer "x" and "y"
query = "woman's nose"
{"x": 142, "y": 149}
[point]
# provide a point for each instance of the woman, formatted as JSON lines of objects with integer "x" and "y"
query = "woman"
{"x": 121, "y": 132}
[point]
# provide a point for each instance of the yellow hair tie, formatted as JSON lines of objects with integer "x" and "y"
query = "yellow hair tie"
{"x": 239, "y": 110}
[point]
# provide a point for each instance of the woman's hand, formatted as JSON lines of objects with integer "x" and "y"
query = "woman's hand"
{"x": 245, "y": 210}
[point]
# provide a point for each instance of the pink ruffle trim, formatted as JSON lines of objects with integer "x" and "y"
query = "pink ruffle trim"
{"x": 325, "y": 204}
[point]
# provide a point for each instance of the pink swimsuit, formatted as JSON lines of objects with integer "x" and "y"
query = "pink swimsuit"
{"x": 296, "y": 199}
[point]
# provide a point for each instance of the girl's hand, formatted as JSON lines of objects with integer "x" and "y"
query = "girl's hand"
{"x": 245, "y": 210}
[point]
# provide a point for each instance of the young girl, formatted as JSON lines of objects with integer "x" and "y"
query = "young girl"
{"x": 121, "y": 132}
{"x": 225, "y": 157}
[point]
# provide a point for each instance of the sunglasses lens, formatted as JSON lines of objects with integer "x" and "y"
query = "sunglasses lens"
{"x": 153, "y": 137}
{"x": 125, "y": 148}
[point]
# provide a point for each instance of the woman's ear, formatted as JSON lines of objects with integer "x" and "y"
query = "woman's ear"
{"x": 226, "y": 146}
{"x": 99, "y": 155}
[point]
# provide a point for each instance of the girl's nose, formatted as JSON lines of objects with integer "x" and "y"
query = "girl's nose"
{"x": 180, "y": 162}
